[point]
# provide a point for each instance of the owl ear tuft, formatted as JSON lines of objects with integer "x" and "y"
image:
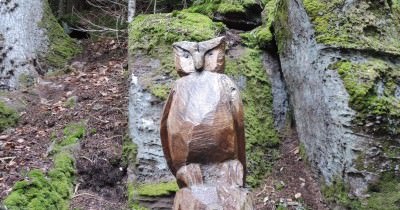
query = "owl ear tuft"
{"x": 215, "y": 54}
{"x": 183, "y": 63}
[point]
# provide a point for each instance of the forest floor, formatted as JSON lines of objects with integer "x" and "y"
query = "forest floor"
{"x": 291, "y": 184}
{"x": 94, "y": 91}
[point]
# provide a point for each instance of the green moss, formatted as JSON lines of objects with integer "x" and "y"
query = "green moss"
{"x": 150, "y": 31}
{"x": 281, "y": 207}
{"x": 61, "y": 47}
{"x": 385, "y": 194}
{"x": 50, "y": 190}
{"x": 262, "y": 36}
{"x": 360, "y": 80}
{"x": 210, "y": 7}
{"x": 372, "y": 25}
{"x": 72, "y": 133}
{"x": 44, "y": 192}
{"x": 261, "y": 138}
{"x": 8, "y": 117}
{"x": 160, "y": 90}
{"x": 281, "y": 24}
{"x": 371, "y": 85}
{"x": 129, "y": 151}
{"x": 338, "y": 193}
{"x": 26, "y": 80}
{"x": 157, "y": 189}
{"x": 132, "y": 202}
{"x": 154, "y": 34}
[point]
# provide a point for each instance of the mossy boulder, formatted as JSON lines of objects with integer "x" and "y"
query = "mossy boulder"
{"x": 374, "y": 93}
{"x": 341, "y": 63}
{"x": 154, "y": 34}
{"x": 238, "y": 14}
{"x": 363, "y": 25}
{"x": 263, "y": 36}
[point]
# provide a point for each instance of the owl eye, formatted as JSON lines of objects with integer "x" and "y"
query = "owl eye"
{"x": 186, "y": 55}
{"x": 210, "y": 54}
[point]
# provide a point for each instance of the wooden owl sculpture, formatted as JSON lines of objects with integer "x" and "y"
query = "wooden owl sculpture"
{"x": 202, "y": 122}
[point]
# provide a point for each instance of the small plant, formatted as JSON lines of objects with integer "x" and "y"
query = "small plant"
{"x": 8, "y": 117}
{"x": 129, "y": 151}
{"x": 71, "y": 102}
{"x": 303, "y": 152}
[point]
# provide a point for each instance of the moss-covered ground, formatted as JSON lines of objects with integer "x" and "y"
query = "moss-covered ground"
{"x": 8, "y": 117}
{"x": 51, "y": 190}
{"x": 262, "y": 141}
{"x": 61, "y": 47}
{"x": 371, "y": 25}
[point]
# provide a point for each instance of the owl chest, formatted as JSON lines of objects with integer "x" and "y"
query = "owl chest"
{"x": 200, "y": 109}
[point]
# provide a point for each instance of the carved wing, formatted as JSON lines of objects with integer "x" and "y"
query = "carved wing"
{"x": 238, "y": 117}
{"x": 164, "y": 131}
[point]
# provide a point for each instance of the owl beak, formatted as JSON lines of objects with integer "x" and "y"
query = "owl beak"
{"x": 198, "y": 62}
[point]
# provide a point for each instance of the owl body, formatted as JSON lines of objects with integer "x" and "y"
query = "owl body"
{"x": 200, "y": 120}
{"x": 203, "y": 116}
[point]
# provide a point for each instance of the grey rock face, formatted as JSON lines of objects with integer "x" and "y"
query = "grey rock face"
{"x": 320, "y": 102}
{"x": 279, "y": 91}
{"x": 144, "y": 124}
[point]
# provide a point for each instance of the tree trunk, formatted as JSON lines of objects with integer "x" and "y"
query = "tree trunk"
{"x": 131, "y": 10}
{"x": 29, "y": 32}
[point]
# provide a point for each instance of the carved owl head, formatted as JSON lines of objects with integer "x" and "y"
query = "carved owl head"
{"x": 200, "y": 56}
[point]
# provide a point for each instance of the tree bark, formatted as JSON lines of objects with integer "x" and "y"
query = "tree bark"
{"x": 28, "y": 33}
{"x": 131, "y": 10}
{"x": 21, "y": 40}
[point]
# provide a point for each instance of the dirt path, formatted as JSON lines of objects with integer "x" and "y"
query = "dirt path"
{"x": 291, "y": 184}
{"x": 93, "y": 92}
